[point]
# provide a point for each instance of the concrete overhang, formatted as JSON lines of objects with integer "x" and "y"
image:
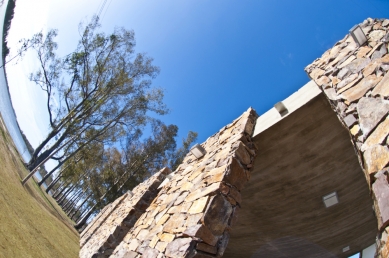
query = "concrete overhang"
{"x": 303, "y": 156}
{"x": 292, "y": 103}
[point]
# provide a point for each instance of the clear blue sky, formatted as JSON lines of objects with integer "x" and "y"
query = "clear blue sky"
{"x": 219, "y": 57}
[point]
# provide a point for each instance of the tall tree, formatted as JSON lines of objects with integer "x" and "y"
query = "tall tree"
{"x": 178, "y": 156}
{"x": 100, "y": 92}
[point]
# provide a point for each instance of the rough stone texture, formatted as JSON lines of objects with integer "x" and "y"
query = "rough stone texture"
{"x": 379, "y": 52}
{"x": 376, "y": 158}
{"x": 359, "y": 90}
{"x": 376, "y": 35}
{"x": 363, "y": 82}
{"x": 383, "y": 244}
{"x": 382, "y": 88}
{"x": 350, "y": 120}
{"x": 347, "y": 81}
{"x": 195, "y": 209}
{"x": 371, "y": 111}
{"x": 381, "y": 195}
{"x": 378, "y": 136}
{"x": 99, "y": 220}
{"x": 109, "y": 227}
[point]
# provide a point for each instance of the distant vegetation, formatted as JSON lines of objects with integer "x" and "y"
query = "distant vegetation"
{"x": 9, "y": 14}
{"x": 30, "y": 149}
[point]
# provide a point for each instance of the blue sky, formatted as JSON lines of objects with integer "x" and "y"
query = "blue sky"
{"x": 217, "y": 57}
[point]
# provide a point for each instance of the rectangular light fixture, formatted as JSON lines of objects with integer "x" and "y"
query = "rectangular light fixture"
{"x": 281, "y": 108}
{"x": 130, "y": 193}
{"x": 198, "y": 151}
{"x": 358, "y": 35}
{"x": 167, "y": 179}
{"x": 330, "y": 199}
{"x": 345, "y": 249}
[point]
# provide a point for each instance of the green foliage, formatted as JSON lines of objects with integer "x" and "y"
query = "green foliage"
{"x": 179, "y": 155}
{"x": 109, "y": 173}
{"x": 100, "y": 92}
{"x": 9, "y": 14}
{"x": 99, "y": 97}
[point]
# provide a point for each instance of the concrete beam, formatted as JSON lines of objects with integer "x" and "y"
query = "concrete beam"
{"x": 292, "y": 103}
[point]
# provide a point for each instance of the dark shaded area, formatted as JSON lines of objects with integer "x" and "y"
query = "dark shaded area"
{"x": 300, "y": 159}
{"x": 291, "y": 247}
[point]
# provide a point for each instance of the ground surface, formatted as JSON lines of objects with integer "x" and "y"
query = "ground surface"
{"x": 31, "y": 224}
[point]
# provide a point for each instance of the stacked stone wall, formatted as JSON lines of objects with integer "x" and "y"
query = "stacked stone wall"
{"x": 99, "y": 220}
{"x": 355, "y": 80}
{"x": 109, "y": 227}
{"x": 194, "y": 212}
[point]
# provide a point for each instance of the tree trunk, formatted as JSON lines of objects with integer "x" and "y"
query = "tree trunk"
{"x": 83, "y": 220}
{"x": 60, "y": 190}
{"x": 70, "y": 199}
{"x": 81, "y": 215}
{"x": 79, "y": 207}
{"x": 51, "y": 185}
{"x": 63, "y": 193}
{"x": 41, "y": 160}
{"x": 36, "y": 160}
{"x": 63, "y": 197}
{"x": 73, "y": 207}
{"x": 57, "y": 178}
{"x": 73, "y": 202}
{"x": 62, "y": 162}
{"x": 49, "y": 174}
{"x": 34, "y": 156}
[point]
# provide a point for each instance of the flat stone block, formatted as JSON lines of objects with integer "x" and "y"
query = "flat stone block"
{"x": 382, "y": 88}
{"x": 376, "y": 158}
{"x": 359, "y": 90}
{"x": 378, "y": 136}
{"x": 203, "y": 233}
{"x": 206, "y": 248}
{"x": 198, "y": 205}
{"x": 350, "y": 120}
{"x": 371, "y": 111}
{"x": 166, "y": 237}
{"x": 235, "y": 175}
{"x": 202, "y": 192}
{"x": 381, "y": 195}
{"x": 180, "y": 247}
{"x": 217, "y": 214}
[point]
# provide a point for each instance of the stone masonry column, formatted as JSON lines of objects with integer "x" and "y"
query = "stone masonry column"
{"x": 194, "y": 211}
{"x": 356, "y": 83}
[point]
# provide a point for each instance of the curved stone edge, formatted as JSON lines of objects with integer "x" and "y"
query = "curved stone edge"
{"x": 356, "y": 82}
{"x": 195, "y": 211}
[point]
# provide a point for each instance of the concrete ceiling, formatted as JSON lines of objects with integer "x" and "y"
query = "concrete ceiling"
{"x": 301, "y": 158}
